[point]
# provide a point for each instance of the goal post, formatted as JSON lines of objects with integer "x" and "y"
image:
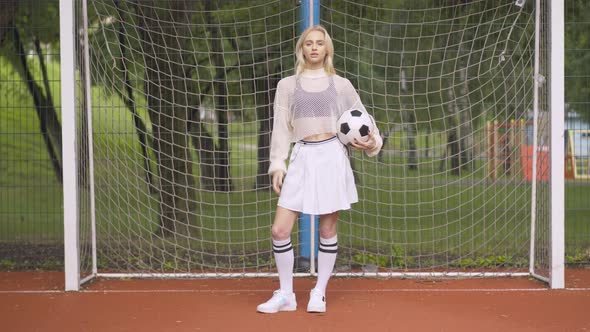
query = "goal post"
{"x": 557, "y": 107}
{"x": 68, "y": 112}
{"x": 172, "y": 115}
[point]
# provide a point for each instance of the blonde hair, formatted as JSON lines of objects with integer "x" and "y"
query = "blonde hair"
{"x": 328, "y": 60}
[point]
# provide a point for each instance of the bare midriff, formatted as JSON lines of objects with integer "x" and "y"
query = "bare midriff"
{"x": 319, "y": 137}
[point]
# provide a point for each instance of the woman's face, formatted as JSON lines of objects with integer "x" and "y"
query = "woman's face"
{"x": 314, "y": 50}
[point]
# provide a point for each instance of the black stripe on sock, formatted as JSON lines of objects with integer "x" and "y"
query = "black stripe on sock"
{"x": 281, "y": 246}
{"x": 335, "y": 251}
{"x": 329, "y": 245}
{"x": 280, "y": 251}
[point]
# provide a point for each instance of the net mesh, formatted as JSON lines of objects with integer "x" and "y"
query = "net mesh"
{"x": 182, "y": 97}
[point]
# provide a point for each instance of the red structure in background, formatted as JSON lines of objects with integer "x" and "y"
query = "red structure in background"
{"x": 542, "y": 162}
{"x": 511, "y": 153}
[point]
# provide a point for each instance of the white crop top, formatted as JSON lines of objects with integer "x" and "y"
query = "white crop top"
{"x": 310, "y": 104}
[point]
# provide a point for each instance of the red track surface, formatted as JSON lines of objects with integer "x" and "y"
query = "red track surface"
{"x": 35, "y": 302}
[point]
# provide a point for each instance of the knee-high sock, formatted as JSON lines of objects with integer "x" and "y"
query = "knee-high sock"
{"x": 328, "y": 250}
{"x": 283, "y": 251}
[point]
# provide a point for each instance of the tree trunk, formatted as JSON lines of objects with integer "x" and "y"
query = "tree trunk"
{"x": 8, "y": 11}
{"x": 385, "y": 136}
{"x": 465, "y": 127}
{"x": 453, "y": 146}
{"x": 53, "y": 123}
{"x": 49, "y": 125}
{"x": 129, "y": 101}
{"x": 452, "y": 136}
{"x": 264, "y": 114}
{"x": 222, "y": 170}
{"x": 411, "y": 135}
{"x": 409, "y": 120}
{"x": 169, "y": 108}
{"x": 205, "y": 146}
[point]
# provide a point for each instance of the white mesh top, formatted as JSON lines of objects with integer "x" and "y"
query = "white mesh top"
{"x": 310, "y": 104}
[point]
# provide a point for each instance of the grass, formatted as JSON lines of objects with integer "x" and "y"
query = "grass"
{"x": 30, "y": 195}
{"x": 406, "y": 218}
{"x": 436, "y": 218}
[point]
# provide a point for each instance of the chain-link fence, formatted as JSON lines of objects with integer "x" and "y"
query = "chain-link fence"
{"x": 31, "y": 218}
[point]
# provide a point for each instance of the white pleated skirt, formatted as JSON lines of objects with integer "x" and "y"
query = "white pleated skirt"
{"x": 319, "y": 178}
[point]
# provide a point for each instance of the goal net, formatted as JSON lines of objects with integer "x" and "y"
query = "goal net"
{"x": 181, "y": 112}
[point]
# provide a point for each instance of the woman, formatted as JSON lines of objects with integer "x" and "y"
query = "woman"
{"x": 320, "y": 180}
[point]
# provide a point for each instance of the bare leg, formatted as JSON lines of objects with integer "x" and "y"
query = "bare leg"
{"x": 328, "y": 225}
{"x": 283, "y": 223}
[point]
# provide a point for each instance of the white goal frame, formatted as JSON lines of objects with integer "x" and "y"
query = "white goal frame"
{"x": 69, "y": 97}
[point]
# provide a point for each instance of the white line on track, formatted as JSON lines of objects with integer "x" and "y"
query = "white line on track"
{"x": 244, "y": 290}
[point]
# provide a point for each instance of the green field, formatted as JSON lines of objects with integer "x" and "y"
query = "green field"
{"x": 406, "y": 218}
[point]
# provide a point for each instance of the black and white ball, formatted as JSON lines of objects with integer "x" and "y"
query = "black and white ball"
{"x": 353, "y": 124}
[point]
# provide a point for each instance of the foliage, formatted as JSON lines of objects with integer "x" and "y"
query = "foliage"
{"x": 253, "y": 38}
{"x": 396, "y": 258}
{"x": 577, "y": 56}
{"x": 409, "y": 55}
{"x": 580, "y": 255}
{"x": 7, "y": 265}
{"x": 38, "y": 19}
{"x": 492, "y": 262}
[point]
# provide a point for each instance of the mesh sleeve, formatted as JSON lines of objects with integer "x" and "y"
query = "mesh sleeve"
{"x": 281, "y": 132}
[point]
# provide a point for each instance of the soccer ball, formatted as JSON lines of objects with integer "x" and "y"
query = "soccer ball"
{"x": 353, "y": 124}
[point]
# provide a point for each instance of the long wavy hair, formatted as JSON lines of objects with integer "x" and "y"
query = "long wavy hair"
{"x": 328, "y": 60}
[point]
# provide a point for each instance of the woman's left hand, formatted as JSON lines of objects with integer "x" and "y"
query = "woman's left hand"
{"x": 370, "y": 144}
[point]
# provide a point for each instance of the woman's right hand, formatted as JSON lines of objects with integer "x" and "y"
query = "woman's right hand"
{"x": 277, "y": 181}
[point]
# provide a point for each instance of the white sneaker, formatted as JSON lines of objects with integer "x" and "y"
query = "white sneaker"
{"x": 317, "y": 301}
{"x": 279, "y": 301}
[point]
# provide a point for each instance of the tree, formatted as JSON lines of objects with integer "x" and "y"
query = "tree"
{"x": 8, "y": 14}
{"x": 14, "y": 16}
{"x": 169, "y": 104}
{"x": 129, "y": 98}
{"x": 577, "y": 57}
{"x": 222, "y": 181}
{"x": 265, "y": 91}
{"x": 253, "y": 53}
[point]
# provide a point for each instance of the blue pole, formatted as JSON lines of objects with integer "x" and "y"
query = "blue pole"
{"x": 310, "y": 15}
